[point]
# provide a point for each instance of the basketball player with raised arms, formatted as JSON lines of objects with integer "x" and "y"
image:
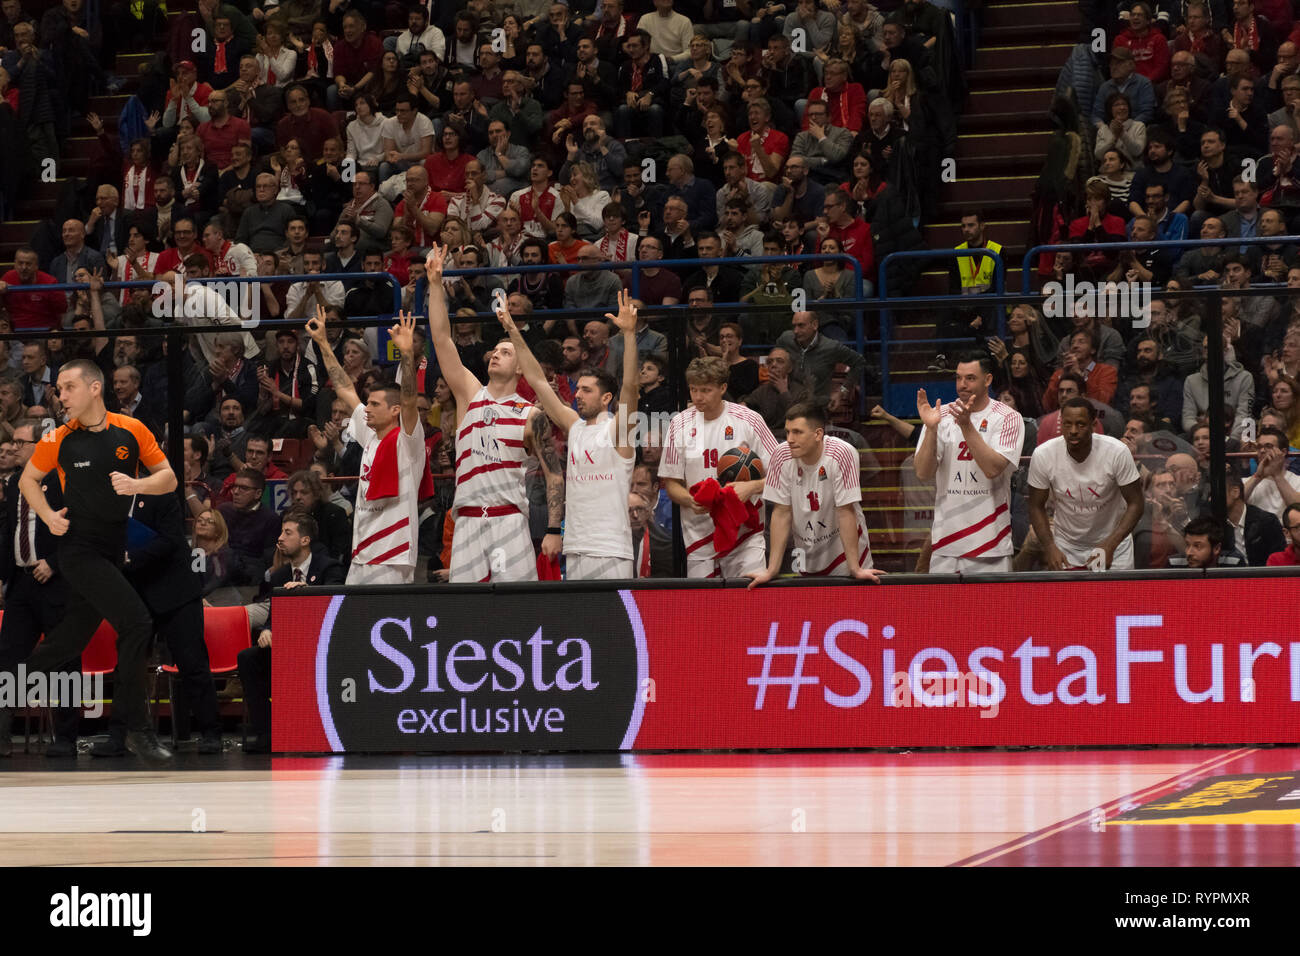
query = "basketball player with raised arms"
{"x": 498, "y": 435}
{"x": 394, "y": 469}
{"x": 970, "y": 449}
{"x": 814, "y": 481}
{"x": 1097, "y": 491}
{"x": 597, "y": 532}
{"x": 698, "y": 438}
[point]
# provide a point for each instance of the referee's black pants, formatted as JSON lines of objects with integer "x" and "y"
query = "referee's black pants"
{"x": 30, "y": 611}
{"x": 98, "y": 591}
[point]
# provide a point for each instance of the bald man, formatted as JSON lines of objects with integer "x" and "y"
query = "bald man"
{"x": 421, "y": 209}
{"x": 76, "y": 254}
{"x": 592, "y": 289}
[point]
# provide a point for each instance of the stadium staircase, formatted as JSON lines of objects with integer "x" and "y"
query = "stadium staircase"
{"x": 1002, "y": 142}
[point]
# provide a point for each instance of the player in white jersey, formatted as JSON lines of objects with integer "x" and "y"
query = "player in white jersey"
{"x": 697, "y": 438}
{"x": 814, "y": 481}
{"x": 970, "y": 449}
{"x": 1096, "y": 489}
{"x": 498, "y": 434}
{"x": 597, "y": 532}
{"x": 385, "y": 520}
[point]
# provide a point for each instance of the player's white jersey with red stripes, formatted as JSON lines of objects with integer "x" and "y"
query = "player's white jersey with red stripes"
{"x": 596, "y": 486}
{"x": 813, "y": 492}
{"x": 692, "y": 452}
{"x": 491, "y": 462}
{"x": 972, "y": 514}
{"x": 385, "y": 531}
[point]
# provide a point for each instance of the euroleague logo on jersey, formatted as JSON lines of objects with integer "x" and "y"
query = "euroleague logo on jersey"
{"x": 729, "y": 434}
{"x": 122, "y": 452}
{"x": 428, "y": 673}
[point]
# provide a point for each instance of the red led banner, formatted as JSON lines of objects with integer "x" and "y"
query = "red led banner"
{"x": 1095, "y": 662}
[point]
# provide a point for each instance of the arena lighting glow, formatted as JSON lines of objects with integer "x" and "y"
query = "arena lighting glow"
{"x": 1094, "y": 662}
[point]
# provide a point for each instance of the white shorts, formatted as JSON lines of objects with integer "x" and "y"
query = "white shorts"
{"x": 596, "y": 567}
{"x": 367, "y": 574}
{"x": 751, "y": 555}
{"x": 1077, "y": 555}
{"x": 492, "y": 549}
{"x": 946, "y": 564}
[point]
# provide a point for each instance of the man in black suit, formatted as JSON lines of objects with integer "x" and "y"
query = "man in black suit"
{"x": 160, "y": 566}
{"x": 107, "y": 225}
{"x": 1262, "y": 531}
{"x": 37, "y": 378}
{"x": 34, "y": 590}
{"x": 302, "y": 566}
{"x": 131, "y": 401}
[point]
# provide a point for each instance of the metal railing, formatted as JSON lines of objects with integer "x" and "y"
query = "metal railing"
{"x": 999, "y": 288}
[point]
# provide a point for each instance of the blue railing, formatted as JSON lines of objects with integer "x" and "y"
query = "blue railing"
{"x": 349, "y": 277}
{"x": 1227, "y": 242}
{"x": 999, "y": 288}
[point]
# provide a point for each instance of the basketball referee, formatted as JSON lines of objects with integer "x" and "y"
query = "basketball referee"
{"x": 97, "y": 455}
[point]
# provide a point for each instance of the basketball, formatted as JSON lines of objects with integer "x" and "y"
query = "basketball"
{"x": 739, "y": 464}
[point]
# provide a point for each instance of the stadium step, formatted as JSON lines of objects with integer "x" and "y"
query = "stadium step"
{"x": 1037, "y": 55}
{"x": 1013, "y": 77}
{"x": 128, "y": 64}
{"x": 1004, "y": 147}
{"x": 987, "y": 188}
{"x": 17, "y": 231}
{"x": 1008, "y": 107}
{"x": 1028, "y": 15}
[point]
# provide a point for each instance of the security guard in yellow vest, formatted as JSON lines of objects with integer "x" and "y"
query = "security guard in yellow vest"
{"x": 976, "y": 272}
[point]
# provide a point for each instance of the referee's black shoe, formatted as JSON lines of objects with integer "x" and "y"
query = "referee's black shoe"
{"x": 145, "y": 744}
{"x": 110, "y": 746}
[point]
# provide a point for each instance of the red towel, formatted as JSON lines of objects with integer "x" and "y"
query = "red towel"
{"x": 728, "y": 512}
{"x": 548, "y": 569}
{"x": 384, "y": 480}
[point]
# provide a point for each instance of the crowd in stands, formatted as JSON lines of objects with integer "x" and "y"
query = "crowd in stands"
{"x": 307, "y": 138}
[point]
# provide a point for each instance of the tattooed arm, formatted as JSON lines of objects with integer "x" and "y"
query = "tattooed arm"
{"x": 340, "y": 381}
{"x": 403, "y": 336}
{"x": 542, "y": 441}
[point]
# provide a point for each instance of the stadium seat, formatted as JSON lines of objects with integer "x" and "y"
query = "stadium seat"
{"x": 99, "y": 657}
{"x": 226, "y": 633}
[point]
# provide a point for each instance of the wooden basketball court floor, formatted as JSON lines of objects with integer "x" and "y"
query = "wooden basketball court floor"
{"x": 983, "y": 808}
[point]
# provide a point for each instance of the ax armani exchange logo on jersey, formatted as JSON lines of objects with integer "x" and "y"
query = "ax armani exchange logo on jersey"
{"x": 422, "y": 672}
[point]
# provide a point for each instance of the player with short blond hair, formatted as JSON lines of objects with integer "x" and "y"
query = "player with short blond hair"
{"x": 697, "y": 438}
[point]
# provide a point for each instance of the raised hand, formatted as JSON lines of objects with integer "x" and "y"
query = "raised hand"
{"x": 930, "y": 415}
{"x": 433, "y": 263}
{"x": 403, "y": 333}
{"x": 506, "y": 319}
{"x": 316, "y": 328}
{"x": 626, "y": 318}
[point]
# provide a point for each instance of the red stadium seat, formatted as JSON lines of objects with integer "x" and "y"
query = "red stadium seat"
{"x": 226, "y": 633}
{"x": 99, "y": 657}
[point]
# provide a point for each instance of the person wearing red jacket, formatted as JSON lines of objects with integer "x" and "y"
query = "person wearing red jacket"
{"x": 31, "y": 310}
{"x": 1098, "y": 225}
{"x": 356, "y": 61}
{"x": 1100, "y": 379}
{"x": 1150, "y": 48}
{"x": 854, "y": 234}
{"x": 847, "y": 102}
